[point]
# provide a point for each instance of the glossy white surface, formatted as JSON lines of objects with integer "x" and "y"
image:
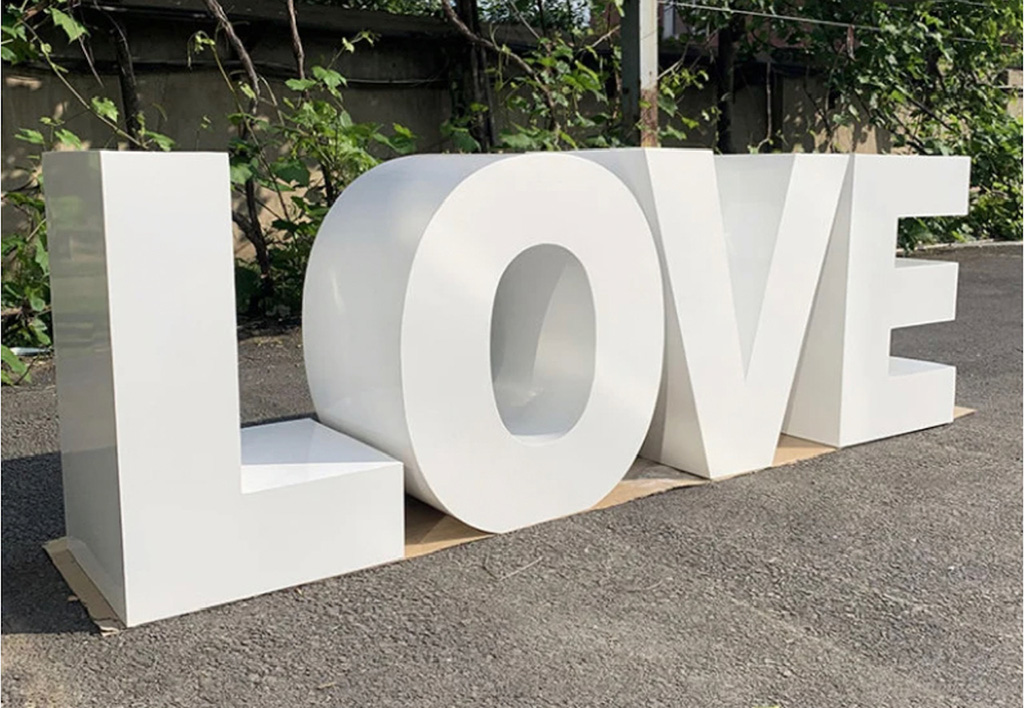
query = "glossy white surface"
{"x": 85, "y": 387}
{"x": 495, "y": 322}
{"x": 742, "y": 239}
{"x": 498, "y": 323}
{"x": 543, "y": 343}
{"x": 848, "y": 389}
{"x": 142, "y": 271}
{"x": 298, "y": 451}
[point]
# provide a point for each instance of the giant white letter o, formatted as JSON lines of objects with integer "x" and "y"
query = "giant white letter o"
{"x": 496, "y": 323}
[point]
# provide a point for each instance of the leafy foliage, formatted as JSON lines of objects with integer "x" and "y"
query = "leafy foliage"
{"x": 930, "y": 75}
{"x": 26, "y": 283}
{"x": 570, "y": 99}
{"x": 23, "y": 28}
{"x": 933, "y": 76}
{"x": 301, "y": 150}
{"x": 393, "y": 7}
{"x": 563, "y": 16}
{"x": 573, "y": 77}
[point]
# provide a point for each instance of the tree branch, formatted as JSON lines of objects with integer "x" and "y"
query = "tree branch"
{"x": 330, "y": 190}
{"x": 243, "y": 55}
{"x": 300, "y": 53}
{"x": 503, "y": 51}
{"x": 126, "y": 80}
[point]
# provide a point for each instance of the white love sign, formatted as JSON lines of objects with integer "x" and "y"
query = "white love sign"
{"x": 508, "y": 330}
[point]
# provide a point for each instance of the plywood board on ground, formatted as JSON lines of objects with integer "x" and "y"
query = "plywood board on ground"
{"x": 428, "y": 530}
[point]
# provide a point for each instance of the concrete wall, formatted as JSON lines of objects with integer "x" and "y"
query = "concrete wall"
{"x": 402, "y": 78}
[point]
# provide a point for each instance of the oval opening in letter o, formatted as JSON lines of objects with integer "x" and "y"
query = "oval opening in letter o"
{"x": 542, "y": 343}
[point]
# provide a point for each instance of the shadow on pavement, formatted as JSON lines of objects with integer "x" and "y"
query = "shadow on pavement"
{"x": 35, "y": 597}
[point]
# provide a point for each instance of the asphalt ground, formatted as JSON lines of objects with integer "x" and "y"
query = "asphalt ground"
{"x": 887, "y": 574}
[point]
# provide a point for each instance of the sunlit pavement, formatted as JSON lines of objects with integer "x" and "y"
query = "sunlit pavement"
{"x": 883, "y": 575}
